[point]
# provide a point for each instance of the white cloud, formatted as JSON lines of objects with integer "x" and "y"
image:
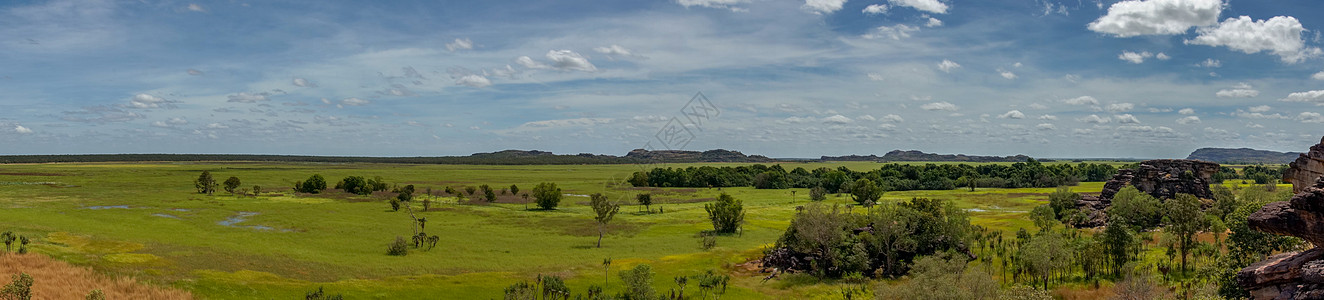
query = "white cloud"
{"x": 1082, "y": 100}
{"x": 837, "y": 119}
{"x": 1014, "y": 114}
{"x": 1133, "y": 57}
{"x": 1279, "y": 35}
{"x": 569, "y": 60}
{"x": 1126, "y": 119}
{"x": 867, "y": 118}
{"x": 729, "y": 4}
{"x": 1095, "y": 119}
{"x": 21, "y": 129}
{"x": 1048, "y": 117}
{"x": 1186, "y": 111}
{"x": 1188, "y": 120}
{"x": 797, "y": 120}
{"x": 1318, "y": 76}
{"x": 1045, "y": 126}
{"x": 1260, "y": 109}
{"x": 1316, "y": 97}
{"x": 1162, "y": 56}
{"x": 876, "y": 77}
{"x": 948, "y": 66}
{"x": 1120, "y": 107}
{"x": 1310, "y": 117}
{"x": 300, "y": 82}
{"x": 1211, "y": 63}
{"x": 897, "y": 32}
{"x": 579, "y": 122}
{"x": 1241, "y": 91}
{"x": 196, "y": 7}
{"x": 933, "y": 6}
{"x": 1156, "y": 17}
{"x": 460, "y": 44}
{"x": 146, "y": 101}
{"x": 615, "y": 51}
{"x": 933, "y": 22}
{"x": 473, "y": 80}
{"x": 939, "y": 106}
{"x": 892, "y": 119}
{"x": 354, "y": 102}
{"x": 1038, "y": 106}
{"x": 874, "y": 9}
{"x": 172, "y": 122}
{"x": 248, "y": 98}
{"x": 1006, "y": 74}
{"x": 823, "y": 6}
{"x": 528, "y": 62}
{"x": 217, "y": 126}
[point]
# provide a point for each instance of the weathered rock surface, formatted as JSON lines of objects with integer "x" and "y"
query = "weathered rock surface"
{"x": 1161, "y": 178}
{"x": 1306, "y": 168}
{"x": 1294, "y": 275}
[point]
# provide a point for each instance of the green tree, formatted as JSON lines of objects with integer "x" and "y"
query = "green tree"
{"x": 205, "y": 183}
{"x": 514, "y": 190}
{"x": 1043, "y": 218}
{"x": 865, "y": 192}
{"x": 1137, "y": 209}
{"x": 231, "y": 184}
{"x": 1118, "y": 241}
{"x": 489, "y": 195}
{"x": 604, "y": 210}
{"x": 727, "y": 214}
{"x": 398, "y": 248}
{"x": 646, "y": 200}
{"x": 941, "y": 277}
{"x": 470, "y": 190}
{"x": 19, "y": 289}
{"x": 547, "y": 195}
{"x": 639, "y": 179}
{"x": 817, "y": 193}
{"x": 1183, "y": 219}
{"x": 257, "y": 190}
{"x": 8, "y": 237}
{"x": 638, "y": 282}
{"x": 1063, "y": 201}
{"x": 314, "y": 184}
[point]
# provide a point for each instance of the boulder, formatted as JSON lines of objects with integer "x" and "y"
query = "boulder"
{"x": 1161, "y": 178}
{"x": 1293, "y": 275}
{"x": 1306, "y": 168}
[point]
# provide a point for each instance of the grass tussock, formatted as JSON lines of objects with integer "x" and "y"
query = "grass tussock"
{"x": 55, "y": 279}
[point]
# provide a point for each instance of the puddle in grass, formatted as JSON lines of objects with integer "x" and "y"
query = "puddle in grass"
{"x": 243, "y": 216}
{"x": 99, "y": 207}
{"x": 166, "y": 216}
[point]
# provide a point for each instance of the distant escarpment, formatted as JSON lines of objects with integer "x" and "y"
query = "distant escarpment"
{"x": 1161, "y": 178}
{"x": 679, "y": 156}
{"x": 1242, "y": 156}
{"x": 915, "y": 155}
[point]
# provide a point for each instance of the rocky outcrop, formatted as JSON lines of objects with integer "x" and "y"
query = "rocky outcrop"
{"x": 1306, "y": 168}
{"x": 1165, "y": 178}
{"x": 1294, "y": 275}
{"x": 1242, "y": 156}
{"x": 680, "y": 156}
{"x": 1161, "y": 178}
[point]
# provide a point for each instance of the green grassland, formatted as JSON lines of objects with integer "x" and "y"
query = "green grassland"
{"x": 146, "y": 220}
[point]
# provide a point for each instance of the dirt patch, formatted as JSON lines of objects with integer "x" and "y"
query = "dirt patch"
{"x": 53, "y": 279}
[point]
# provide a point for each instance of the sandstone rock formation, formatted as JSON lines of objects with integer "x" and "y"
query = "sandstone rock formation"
{"x": 1161, "y": 178}
{"x": 1294, "y": 275}
{"x": 1306, "y": 168}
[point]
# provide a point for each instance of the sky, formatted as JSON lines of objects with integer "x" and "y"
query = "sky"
{"x": 781, "y": 78}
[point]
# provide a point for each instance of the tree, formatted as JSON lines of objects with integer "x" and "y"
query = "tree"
{"x": 470, "y": 190}
{"x": 941, "y": 277}
{"x": 205, "y": 183}
{"x": 1137, "y": 209}
{"x": 547, "y": 195}
{"x": 231, "y": 184}
{"x": 489, "y": 195}
{"x": 8, "y": 237}
{"x": 355, "y": 185}
{"x": 1118, "y": 242}
{"x": 1062, "y": 201}
{"x": 646, "y": 200}
{"x": 727, "y": 214}
{"x": 604, "y": 211}
{"x": 1183, "y": 220}
{"x": 818, "y": 193}
{"x": 314, "y": 184}
{"x": 257, "y": 190}
{"x": 514, "y": 190}
{"x": 638, "y": 282}
{"x": 865, "y": 192}
{"x": 1043, "y": 218}
{"x": 398, "y": 248}
{"x": 19, "y": 289}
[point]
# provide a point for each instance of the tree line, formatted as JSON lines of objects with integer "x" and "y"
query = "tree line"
{"x": 890, "y": 177}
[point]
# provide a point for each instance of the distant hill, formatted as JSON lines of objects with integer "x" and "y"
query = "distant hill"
{"x": 1242, "y": 155}
{"x": 506, "y": 157}
{"x": 915, "y": 155}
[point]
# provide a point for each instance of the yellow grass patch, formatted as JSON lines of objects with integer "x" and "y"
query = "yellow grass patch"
{"x": 87, "y": 245}
{"x": 53, "y": 279}
{"x": 130, "y": 258}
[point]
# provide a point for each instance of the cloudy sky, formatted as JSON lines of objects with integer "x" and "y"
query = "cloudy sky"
{"x": 789, "y": 78}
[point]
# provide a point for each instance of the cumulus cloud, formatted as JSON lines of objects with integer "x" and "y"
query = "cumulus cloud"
{"x": 1006, "y": 74}
{"x": 21, "y": 129}
{"x": 896, "y": 32}
{"x": 1316, "y": 97}
{"x": 1310, "y": 117}
{"x": 147, "y": 101}
{"x": 1188, "y": 120}
{"x": 354, "y": 102}
{"x": 562, "y": 60}
{"x": 1095, "y": 119}
{"x": 1318, "y": 76}
{"x": 1082, "y": 100}
{"x": 196, "y": 7}
{"x": 567, "y": 123}
{"x": 1279, "y": 35}
{"x": 948, "y": 66}
{"x": 837, "y": 119}
{"x": 1014, "y": 114}
{"x": 1242, "y": 90}
{"x": 1187, "y": 111}
{"x": 1048, "y": 117}
{"x": 615, "y": 51}
{"x": 1260, "y": 109}
{"x": 1161, "y": 56}
{"x": 935, "y": 106}
{"x": 892, "y": 119}
{"x": 473, "y": 80}
{"x": 1133, "y": 57}
{"x": 1126, "y": 119}
{"x": 1211, "y": 63}
{"x": 933, "y": 22}
{"x": 874, "y": 9}
{"x": 248, "y": 98}
{"x": 460, "y": 44}
{"x": 823, "y": 6}
{"x": 867, "y": 118}
{"x": 1156, "y": 17}
{"x": 300, "y": 82}
{"x": 1045, "y": 126}
{"x": 727, "y": 4}
{"x": 933, "y": 6}
{"x": 1120, "y": 107}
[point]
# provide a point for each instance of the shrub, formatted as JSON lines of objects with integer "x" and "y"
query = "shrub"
{"x": 818, "y": 193}
{"x": 547, "y": 195}
{"x": 865, "y": 192}
{"x": 319, "y": 294}
{"x": 395, "y": 204}
{"x": 399, "y": 247}
{"x": 19, "y": 289}
{"x": 646, "y": 200}
{"x": 231, "y": 184}
{"x": 638, "y": 282}
{"x": 726, "y": 214}
{"x": 314, "y": 184}
{"x": 708, "y": 242}
{"x": 96, "y": 295}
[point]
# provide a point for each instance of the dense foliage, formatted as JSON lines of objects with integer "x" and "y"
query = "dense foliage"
{"x": 727, "y": 214}
{"x": 361, "y": 186}
{"x": 314, "y": 184}
{"x": 546, "y": 194}
{"x": 889, "y": 177}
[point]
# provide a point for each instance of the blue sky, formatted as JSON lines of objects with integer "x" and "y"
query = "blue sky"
{"x": 1155, "y": 78}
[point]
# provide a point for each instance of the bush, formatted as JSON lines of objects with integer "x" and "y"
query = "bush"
{"x": 638, "y": 282}
{"x": 395, "y": 204}
{"x": 943, "y": 277}
{"x": 865, "y": 192}
{"x": 96, "y": 295}
{"x": 818, "y": 193}
{"x": 708, "y": 242}
{"x": 19, "y": 289}
{"x": 320, "y": 294}
{"x": 727, "y": 214}
{"x": 314, "y": 184}
{"x": 547, "y": 195}
{"x": 1063, "y": 201}
{"x": 231, "y": 184}
{"x": 399, "y": 247}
